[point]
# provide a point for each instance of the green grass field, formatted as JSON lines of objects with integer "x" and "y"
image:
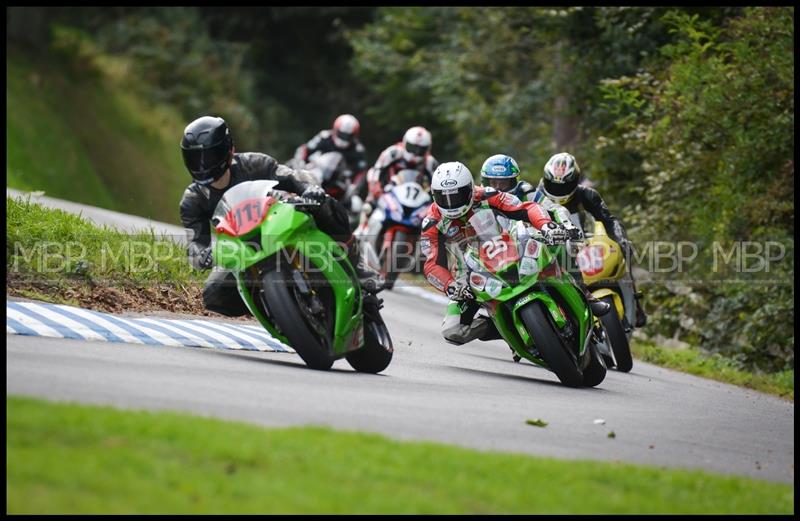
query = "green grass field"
{"x": 69, "y": 459}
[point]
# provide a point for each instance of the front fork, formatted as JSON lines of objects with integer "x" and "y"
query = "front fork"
{"x": 565, "y": 300}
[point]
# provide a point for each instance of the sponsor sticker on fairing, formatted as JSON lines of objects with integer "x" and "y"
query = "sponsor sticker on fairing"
{"x": 493, "y": 287}
{"x": 477, "y": 281}
{"x": 532, "y": 248}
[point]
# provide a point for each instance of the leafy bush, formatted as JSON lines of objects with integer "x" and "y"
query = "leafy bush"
{"x": 715, "y": 131}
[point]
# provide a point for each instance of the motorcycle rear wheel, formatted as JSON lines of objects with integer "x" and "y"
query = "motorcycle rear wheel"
{"x": 377, "y": 352}
{"x": 617, "y": 338}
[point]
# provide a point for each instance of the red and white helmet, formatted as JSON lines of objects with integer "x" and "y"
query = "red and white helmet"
{"x": 345, "y": 130}
{"x": 416, "y": 144}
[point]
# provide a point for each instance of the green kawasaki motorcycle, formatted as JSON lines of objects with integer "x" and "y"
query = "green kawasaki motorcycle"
{"x": 296, "y": 280}
{"x": 531, "y": 301}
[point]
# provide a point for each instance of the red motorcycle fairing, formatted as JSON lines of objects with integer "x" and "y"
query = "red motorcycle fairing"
{"x": 245, "y": 216}
{"x": 499, "y": 252}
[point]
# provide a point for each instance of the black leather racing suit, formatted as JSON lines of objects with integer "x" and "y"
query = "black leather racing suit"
{"x": 591, "y": 201}
{"x": 354, "y": 155}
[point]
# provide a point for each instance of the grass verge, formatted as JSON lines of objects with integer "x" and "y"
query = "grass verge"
{"x": 694, "y": 361}
{"x": 65, "y": 458}
{"x": 60, "y": 257}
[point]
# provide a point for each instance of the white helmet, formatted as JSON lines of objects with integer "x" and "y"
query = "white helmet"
{"x": 416, "y": 143}
{"x": 452, "y": 189}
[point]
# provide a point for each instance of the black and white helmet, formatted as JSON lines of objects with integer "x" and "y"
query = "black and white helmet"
{"x": 561, "y": 177}
{"x": 452, "y": 188}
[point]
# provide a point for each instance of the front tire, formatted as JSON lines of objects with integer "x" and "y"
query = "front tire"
{"x": 616, "y": 337}
{"x": 393, "y": 262}
{"x": 548, "y": 342}
{"x": 285, "y": 311}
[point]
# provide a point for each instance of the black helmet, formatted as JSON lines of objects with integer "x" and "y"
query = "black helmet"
{"x": 206, "y": 148}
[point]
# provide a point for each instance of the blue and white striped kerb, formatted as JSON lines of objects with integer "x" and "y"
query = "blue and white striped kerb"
{"x": 54, "y": 320}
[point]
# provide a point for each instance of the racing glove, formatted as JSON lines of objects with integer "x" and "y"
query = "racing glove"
{"x": 459, "y": 290}
{"x": 314, "y": 193}
{"x": 553, "y": 233}
{"x": 573, "y": 232}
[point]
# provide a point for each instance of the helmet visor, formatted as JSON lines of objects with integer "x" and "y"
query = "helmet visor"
{"x": 453, "y": 197}
{"x": 417, "y": 150}
{"x": 560, "y": 189}
{"x": 503, "y": 184}
{"x": 201, "y": 161}
{"x": 345, "y": 136}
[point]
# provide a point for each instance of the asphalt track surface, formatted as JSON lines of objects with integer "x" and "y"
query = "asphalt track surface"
{"x": 473, "y": 395}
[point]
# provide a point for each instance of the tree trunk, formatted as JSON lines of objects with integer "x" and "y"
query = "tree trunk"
{"x": 565, "y": 124}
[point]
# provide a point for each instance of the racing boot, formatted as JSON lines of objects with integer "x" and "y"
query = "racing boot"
{"x": 598, "y": 307}
{"x": 460, "y": 325}
{"x": 370, "y": 280}
{"x": 491, "y": 333}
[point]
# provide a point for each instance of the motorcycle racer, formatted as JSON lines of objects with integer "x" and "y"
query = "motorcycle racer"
{"x": 343, "y": 138}
{"x": 412, "y": 153}
{"x": 209, "y": 156}
{"x": 446, "y": 230}
{"x": 561, "y": 186}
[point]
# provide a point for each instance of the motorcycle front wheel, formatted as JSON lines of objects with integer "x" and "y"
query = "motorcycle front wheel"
{"x": 289, "y": 308}
{"x": 542, "y": 330}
